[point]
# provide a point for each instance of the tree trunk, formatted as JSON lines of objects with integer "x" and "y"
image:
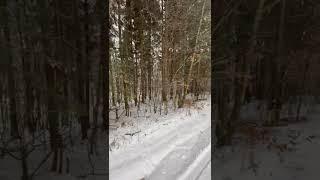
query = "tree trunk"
{"x": 24, "y": 165}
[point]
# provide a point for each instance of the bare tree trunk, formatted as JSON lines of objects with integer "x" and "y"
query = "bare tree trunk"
{"x": 303, "y": 84}
{"x": 24, "y": 165}
{"x": 193, "y": 58}
{"x": 252, "y": 45}
{"x": 11, "y": 73}
{"x": 274, "y": 112}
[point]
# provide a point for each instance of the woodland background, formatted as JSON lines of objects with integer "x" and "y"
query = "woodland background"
{"x": 159, "y": 53}
{"x": 266, "y": 51}
{"x": 66, "y": 64}
{"x": 53, "y": 82}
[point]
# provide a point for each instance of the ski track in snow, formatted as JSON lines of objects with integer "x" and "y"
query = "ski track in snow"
{"x": 195, "y": 170}
{"x": 166, "y": 152}
{"x": 184, "y": 155}
{"x": 206, "y": 173}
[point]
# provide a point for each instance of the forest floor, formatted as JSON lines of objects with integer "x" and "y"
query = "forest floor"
{"x": 80, "y": 167}
{"x": 293, "y": 156}
{"x": 174, "y": 146}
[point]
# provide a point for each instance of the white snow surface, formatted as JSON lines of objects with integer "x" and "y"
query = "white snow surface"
{"x": 206, "y": 173}
{"x": 298, "y": 162}
{"x": 10, "y": 169}
{"x": 201, "y": 163}
{"x": 166, "y": 147}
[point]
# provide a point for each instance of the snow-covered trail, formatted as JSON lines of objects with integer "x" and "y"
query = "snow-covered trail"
{"x": 184, "y": 156}
{"x": 206, "y": 173}
{"x": 168, "y": 152}
{"x": 195, "y": 170}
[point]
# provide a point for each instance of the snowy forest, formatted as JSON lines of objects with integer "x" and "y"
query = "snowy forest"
{"x": 159, "y": 52}
{"x": 53, "y": 89}
{"x": 159, "y": 88}
{"x": 74, "y": 72}
{"x": 266, "y": 86}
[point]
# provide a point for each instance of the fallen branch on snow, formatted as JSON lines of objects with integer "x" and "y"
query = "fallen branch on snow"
{"x": 131, "y": 134}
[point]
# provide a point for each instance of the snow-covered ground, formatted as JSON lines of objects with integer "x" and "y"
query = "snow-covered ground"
{"x": 293, "y": 156}
{"x": 80, "y": 166}
{"x": 163, "y": 147}
{"x": 206, "y": 173}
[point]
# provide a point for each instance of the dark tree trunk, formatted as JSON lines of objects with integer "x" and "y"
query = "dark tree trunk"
{"x": 24, "y": 165}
